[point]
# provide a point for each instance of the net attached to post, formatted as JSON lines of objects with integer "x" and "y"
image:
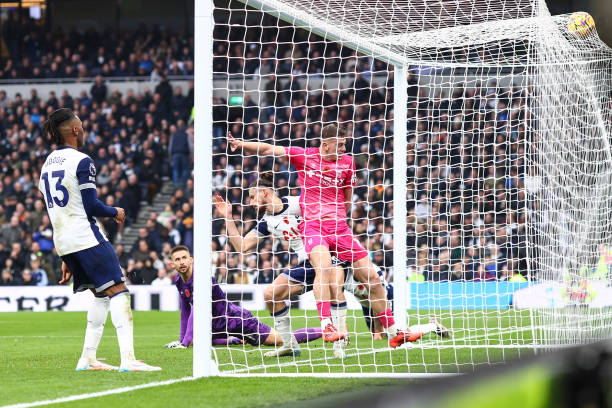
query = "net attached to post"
{"x": 508, "y": 174}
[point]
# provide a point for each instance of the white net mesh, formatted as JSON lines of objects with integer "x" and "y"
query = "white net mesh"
{"x": 507, "y": 175}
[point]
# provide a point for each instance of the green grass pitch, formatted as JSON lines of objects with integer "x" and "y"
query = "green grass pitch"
{"x": 38, "y": 353}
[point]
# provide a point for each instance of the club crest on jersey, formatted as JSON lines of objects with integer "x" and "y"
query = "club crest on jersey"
{"x": 92, "y": 169}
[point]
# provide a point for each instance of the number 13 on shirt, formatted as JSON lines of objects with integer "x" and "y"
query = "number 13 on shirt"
{"x": 57, "y": 175}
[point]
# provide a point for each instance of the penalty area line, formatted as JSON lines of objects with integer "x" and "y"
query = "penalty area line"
{"x": 98, "y": 393}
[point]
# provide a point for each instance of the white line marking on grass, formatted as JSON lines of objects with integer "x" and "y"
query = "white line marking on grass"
{"x": 98, "y": 394}
{"x": 76, "y": 337}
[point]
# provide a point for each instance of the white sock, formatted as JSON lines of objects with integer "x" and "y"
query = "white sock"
{"x": 391, "y": 331}
{"x": 121, "y": 315}
{"x": 96, "y": 318}
{"x": 282, "y": 323}
{"x": 423, "y": 328}
{"x": 338, "y": 315}
{"x": 325, "y": 322}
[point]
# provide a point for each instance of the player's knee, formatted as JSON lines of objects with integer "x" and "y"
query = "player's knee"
{"x": 269, "y": 294}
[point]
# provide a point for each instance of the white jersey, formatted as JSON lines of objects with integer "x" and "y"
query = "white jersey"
{"x": 65, "y": 173}
{"x": 284, "y": 225}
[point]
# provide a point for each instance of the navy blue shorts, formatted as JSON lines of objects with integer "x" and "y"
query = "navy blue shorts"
{"x": 96, "y": 267}
{"x": 303, "y": 273}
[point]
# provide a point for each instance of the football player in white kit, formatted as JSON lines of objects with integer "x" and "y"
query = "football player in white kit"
{"x": 67, "y": 182}
{"x": 281, "y": 218}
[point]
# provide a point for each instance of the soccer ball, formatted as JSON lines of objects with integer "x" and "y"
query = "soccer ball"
{"x": 581, "y": 24}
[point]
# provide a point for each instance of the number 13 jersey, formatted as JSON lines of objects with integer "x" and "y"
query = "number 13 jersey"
{"x": 284, "y": 225}
{"x": 65, "y": 173}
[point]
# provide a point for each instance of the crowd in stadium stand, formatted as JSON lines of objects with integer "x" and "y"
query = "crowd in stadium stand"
{"x": 34, "y": 53}
{"x": 136, "y": 141}
{"x": 465, "y": 178}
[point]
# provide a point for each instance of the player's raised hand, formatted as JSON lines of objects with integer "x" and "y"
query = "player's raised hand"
{"x": 223, "y": 206}
{"x": 66, "y": 274}
{"x": 234, "y": 143}
{"x": 174, "y": 345}
{"x": 120, "y": 217}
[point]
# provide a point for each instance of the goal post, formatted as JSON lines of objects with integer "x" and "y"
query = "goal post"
{"x": 203, "y": 363}
{"x": 481, "y": 135}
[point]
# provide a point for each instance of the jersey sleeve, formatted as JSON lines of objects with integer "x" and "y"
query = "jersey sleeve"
{"x": 294, "y": 206}
{"x": 297, "y": 157}
{"x": 86, "y": 174}
{"x": 351, "y": 175}
{"x": 261, "y": 229}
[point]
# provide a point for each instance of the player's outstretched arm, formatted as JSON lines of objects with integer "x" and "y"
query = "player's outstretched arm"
{"x": 241, "y": 244}
{"x": 258, "y": 148}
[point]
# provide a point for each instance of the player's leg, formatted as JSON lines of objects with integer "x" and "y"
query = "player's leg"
{"x": 96, "y": 319}
{"x": 96, "y": 316}
{"x": 348, "y": 248}
{"x": 101, "y": 265}
{"x": 316, "y": 244}
{"x": 304, "y": 335}
{"x": 433, "y": 326}
{"x": 366, "y": 273}
{"x": 338, "y": 309}
{"x": 275, "y": 296}
{"x": 320, "y": 258}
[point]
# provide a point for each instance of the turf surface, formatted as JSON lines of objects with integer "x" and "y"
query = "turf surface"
{"x": 38, "y": 353}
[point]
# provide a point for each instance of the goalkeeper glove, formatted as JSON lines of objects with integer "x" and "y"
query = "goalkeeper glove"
{"x": 175, "y": 345}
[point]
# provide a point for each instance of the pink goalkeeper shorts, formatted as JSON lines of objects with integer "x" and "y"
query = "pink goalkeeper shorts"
{"x": 335, "y": 236}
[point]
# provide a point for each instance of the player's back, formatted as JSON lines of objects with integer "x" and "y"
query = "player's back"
{"x": 61, "y": 187}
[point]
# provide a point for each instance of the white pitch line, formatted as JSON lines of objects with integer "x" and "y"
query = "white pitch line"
{"x": 98, "y": 394}
{"x": 77, "y": 337}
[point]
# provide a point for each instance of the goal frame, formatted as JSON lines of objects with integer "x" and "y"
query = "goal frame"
{"x": 204, "y": 364}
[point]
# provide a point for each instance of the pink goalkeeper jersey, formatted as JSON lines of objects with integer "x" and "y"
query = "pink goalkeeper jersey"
{"x": 323, "y": 183}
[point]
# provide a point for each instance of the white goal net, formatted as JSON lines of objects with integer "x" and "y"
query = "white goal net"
{"x": 482, "y": 190}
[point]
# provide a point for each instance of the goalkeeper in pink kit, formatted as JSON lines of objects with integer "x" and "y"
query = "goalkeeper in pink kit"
{"x": 327, "y": 177}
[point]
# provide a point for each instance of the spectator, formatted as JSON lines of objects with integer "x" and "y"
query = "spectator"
{"x": 44, "y": 236}
{"x": 26, "y": 278}
{"x": 123, "y": 257}
{"x": 133, "y": 272}
{"x": 186, "y": 231}
{"x": 179, "y": 149}
{"x": 8, "y": 273}
{"x": 266, "y": 274}
{"x": 141, "y": 253}
{"x": 98, "y": 90}
{"x": 39, "y": 276}
{"x": 148, "y": 272}
{"x": 35, "y": 217}
{"x": 162, "y": 278}
{"x": 11, "y": 233}
{"x": 18, "y": 257}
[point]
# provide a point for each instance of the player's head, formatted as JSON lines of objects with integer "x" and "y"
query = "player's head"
{"x": 261, "y": 191}
{"x": 181, "y": 258}
{"x": 63, "y": 127}
{"x": 333, "y": 142}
